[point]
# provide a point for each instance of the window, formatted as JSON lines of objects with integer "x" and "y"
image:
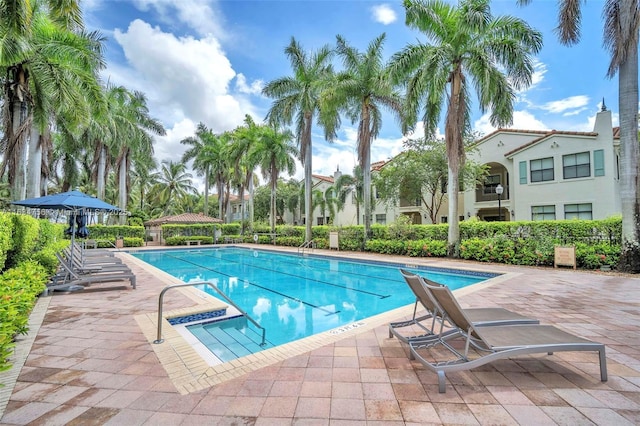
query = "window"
{"x": 490, "y": 184}
{"x": 320, "y": 221}
{"x": 418, "y": 202}
{"x": 576, "y": 165}
{"x": 543, "y": 213}
{"x": 381, "y": 219}
{"x": 542, "y": 170}
{"x": 578, "y": 211}
{"x": 444, "y": 219}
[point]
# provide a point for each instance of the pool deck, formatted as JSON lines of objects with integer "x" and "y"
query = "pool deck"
{"x": 89, "y": 360}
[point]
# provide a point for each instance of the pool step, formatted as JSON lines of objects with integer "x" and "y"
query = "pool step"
{"x": 229, "y": 339}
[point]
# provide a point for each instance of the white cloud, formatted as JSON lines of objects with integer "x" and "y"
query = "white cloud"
{"x": 182, "y": 77}
{"x": 539, "y": 70}
{"x": 255, "y": 88}
{"x": 521, "y": 120}
{"x": 168, "y": 147}
{"x": 383, "y": 14}
{"x": 562, "y": 105}
{"x": 199, "y": 15}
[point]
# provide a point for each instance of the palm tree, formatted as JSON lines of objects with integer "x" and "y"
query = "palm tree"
{"x": 274, "y": 152}
{"x": 300, "y": 95}
{"x": 361, "y": 91}
{"x": 134, "y": 129}
{"x": 195, "y": 152}
{"x": 51, "y": 69}
{"x": 175, "y": 183}
{"x": 468, "y": 45}
{"x": 245, "y": 140}
{"x": 327, "y": 202}
{"x": 351, "y": 184}
{"x": 621, "y": 31}
{"x": 144, "y": 176}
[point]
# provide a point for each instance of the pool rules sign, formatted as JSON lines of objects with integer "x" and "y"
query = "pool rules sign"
{"x": 565, "y": 256}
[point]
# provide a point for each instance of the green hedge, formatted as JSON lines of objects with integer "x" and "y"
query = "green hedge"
{"x": 19, "y": 288}
{"x": 6, "y": 237}
{"x": 107, "y": 232}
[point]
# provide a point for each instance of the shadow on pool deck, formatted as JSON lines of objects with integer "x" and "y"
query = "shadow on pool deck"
{"x": 91, "y": 362}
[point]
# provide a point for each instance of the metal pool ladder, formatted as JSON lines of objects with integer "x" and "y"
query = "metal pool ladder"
{"x": 159, "y": 338}
{"x": 306, "y": 245}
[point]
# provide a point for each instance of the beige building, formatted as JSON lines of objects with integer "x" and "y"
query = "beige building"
{"x": 544, "y": 175}
{"x": 547, "y": 175}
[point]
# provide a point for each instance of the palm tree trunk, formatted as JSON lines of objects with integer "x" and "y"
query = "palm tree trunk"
{"x": 100, "y": 177}
{"x": 34, "y": 163}
{"x": 122, "y": 187}
{"x": 274, "y": 185}
{"x": 455, "y": 155}
{"x": 20, "y": 157}
{"x": 307, "y": 180}
{"x": 206, "y": 190}
{"x": 628, "y": 106}
{"x": 251, "y": 190}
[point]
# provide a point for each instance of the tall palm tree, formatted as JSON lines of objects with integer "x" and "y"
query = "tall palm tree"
{"x": 621, "y": 32}
{"x": 468, "y": 47}
{"x": 246, "y": 137}
{"x": 274, "y": 152}
{"x": 50, "y": 66}
{"x": 134, "y": 130}
{"x": 361, "y": 91}
{"x": 299, "y": 95}
{"x": 196, "y": 152}
{"x": 144, "y": 176}
{"x": 175, "y": 183}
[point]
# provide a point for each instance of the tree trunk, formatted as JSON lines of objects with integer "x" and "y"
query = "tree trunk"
{"x": 308, "y": 205}
{"x": 34, "y": 163}
{"x": 18, "y": 190}
{"x": 274, "y": 186}
{"x": 251, "y": 190}
{"x": 454, "y": 125}
{"x": 122, "y": 188}
{"x": 454, "y": 225}
{"x": 628, "y": 105}
{"x": 206, "y": 190}
{"x": 100, "y": 177}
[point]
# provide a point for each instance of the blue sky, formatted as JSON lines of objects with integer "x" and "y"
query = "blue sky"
{"x": 207, "y": 61}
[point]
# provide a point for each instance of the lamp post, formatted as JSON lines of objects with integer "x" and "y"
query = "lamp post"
{"x": 499, "y": 191}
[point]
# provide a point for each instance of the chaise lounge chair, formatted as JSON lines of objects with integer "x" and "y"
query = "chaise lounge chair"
{"x": 68, "y": 277}
{"x": 429, "y": 322}
{"x": 499, "y": 342}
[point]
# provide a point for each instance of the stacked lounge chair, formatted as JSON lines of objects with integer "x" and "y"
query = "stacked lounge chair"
{"x": 74, "y": 274}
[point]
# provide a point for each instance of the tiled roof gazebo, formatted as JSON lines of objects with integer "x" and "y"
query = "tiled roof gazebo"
{"x": 153, "y": 227}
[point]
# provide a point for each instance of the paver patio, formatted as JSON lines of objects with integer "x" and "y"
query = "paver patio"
{"x": 88, "y": 361}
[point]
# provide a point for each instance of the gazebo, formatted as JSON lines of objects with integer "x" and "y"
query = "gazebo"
{"x": 153, "y": 227}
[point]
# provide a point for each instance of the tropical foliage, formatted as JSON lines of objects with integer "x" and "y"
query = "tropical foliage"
{"x": 63, "y": 128}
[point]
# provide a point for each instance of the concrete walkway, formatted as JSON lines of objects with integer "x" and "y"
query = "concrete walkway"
{"x": 88, "y": 361}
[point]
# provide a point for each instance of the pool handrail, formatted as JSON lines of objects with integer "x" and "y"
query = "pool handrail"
{"x": 159, "y": 338}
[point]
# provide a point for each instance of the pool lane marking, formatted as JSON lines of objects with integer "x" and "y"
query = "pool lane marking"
{"x": 381, "y": 296}
{"x": 301, "y": 263}
{"x": 328, "y": 312}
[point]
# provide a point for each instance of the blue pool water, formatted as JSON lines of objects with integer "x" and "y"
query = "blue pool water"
{"x": 291, "y": 296}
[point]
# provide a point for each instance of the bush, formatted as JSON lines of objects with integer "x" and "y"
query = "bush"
{"x": 25, "y": 238}
{"x": 19, "y": 288}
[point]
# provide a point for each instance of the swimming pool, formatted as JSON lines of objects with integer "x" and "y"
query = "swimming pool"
{"x": 292, "y": 296}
